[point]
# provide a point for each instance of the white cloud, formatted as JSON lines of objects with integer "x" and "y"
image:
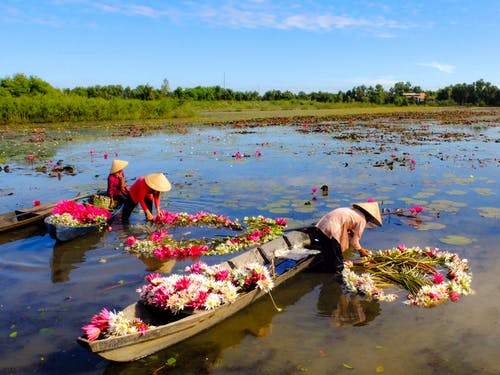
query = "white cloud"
{"x": 276, "y": 14}
{"x": 446, "y": 68}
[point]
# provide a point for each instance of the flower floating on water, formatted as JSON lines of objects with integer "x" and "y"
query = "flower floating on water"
{"x": 162, "y": 245}
{"x": 111, "y": 323}
{"x": 314, "y": 189}
{"x": 71, "y": 213}
{"x": 105, "y": 155}
{"x": 416, "y": 210}
{"x": 429, "y": 275}
{"x": 36, "y": 203}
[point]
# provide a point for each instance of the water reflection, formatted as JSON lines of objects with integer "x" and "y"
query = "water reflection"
{"x": 67, "y": 255}
{"x": 344, "y": 309}
{"x": 276, "y": 184}
{"x": 20, "y": 233}
{"x": 156, "y": 265}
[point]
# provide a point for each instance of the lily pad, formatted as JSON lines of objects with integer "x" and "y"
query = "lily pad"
{"x": 46, "y": 331}
{"x": 424, "y": 194}
{"x": 456, "y": 192}
{"x": 447, "y": 205}
{"x": 490, "y": 212}
{"x": 484, "y": 191}
{"x": 385, "y": 189}
{"x": 456, "y": 240}
{"x": 431, "y": 226}
{"x": 413, "y": 202}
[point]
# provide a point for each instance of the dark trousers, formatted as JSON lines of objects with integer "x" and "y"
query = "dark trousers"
{"x": 129, "y": 206}
{"x": 332, "y": 253}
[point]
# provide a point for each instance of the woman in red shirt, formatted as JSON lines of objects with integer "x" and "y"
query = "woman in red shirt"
{"x": 343, "y": 227}
{"x": 146, "y": 191}
{"x": 117, "y": 187}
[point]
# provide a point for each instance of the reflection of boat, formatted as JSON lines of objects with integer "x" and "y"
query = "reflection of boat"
{"x": 156, "y": 265}
{"x": 67, "y": 256}
{"x": 26, "y": 216}
{"x": 286, "y": 256}
{"x": 65, "y": 233}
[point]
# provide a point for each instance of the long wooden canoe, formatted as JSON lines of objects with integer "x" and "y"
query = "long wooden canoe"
{"x": 286, "y": 256}
{"x": 29, "y": 216}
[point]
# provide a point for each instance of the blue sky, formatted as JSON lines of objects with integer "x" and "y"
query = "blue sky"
{"x": 248, "y": 45}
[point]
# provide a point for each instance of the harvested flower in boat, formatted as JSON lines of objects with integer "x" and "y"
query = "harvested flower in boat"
{"x": 111, "y": 323}
{"x": 71, "y": 213}
{"x": 203, "y": 287}
{"x": 429, "y": 275}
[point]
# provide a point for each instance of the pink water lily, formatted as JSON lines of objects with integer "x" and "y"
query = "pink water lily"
{"x": 438, "y": 278}
{"x": 131, "y": 240}
{"x": 416, "y": 209}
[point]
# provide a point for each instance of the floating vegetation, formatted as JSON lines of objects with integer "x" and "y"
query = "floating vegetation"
{"x": 456, "y": 240}
{"x": 484, "y": 191}
{"x": 490, "y": 212}
{"x": 430, "y": 226}
{"x": 456, "y": 192}
{"x": 447, "y": 205}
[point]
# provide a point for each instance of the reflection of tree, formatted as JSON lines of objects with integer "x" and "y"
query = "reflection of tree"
{"x": 198, "y": 354}
{"x": 344, "y": 309}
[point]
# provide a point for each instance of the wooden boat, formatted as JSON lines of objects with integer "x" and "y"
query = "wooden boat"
{"x": 29, "y": 216}
{"x": 63, "y": 233}
{"x": 286, "y": 256}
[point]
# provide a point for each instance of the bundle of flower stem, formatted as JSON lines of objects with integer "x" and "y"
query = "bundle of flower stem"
{"x": 409, "y": 270}
{"x": 429, "y": 275}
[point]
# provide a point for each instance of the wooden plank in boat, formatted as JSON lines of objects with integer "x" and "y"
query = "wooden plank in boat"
{"x": 297, "y": 238}
{"x": 268, "y": 249}
{"x": 253, "y": 255}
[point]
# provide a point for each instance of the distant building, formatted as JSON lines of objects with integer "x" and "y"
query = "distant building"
{"x": 417, "y": 97}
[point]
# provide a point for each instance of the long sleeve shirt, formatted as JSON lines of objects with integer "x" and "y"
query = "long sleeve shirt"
{"x": 140, "y": 190}
{"x": 346, "y": 225}
{"x": 116, "y": 185}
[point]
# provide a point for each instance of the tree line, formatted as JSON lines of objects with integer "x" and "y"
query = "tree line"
{"x": 31, "y": 99}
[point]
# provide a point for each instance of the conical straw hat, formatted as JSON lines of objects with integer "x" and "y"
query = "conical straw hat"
{"x": 158, "y": 182}
{"x": 118, "y": 165}
{"x": 371, "y": 210}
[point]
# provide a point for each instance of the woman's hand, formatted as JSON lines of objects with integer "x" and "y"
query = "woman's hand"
{"x": 364, "y": 252}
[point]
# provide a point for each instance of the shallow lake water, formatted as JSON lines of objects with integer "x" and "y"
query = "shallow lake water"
{"x": 50, "y": 289}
